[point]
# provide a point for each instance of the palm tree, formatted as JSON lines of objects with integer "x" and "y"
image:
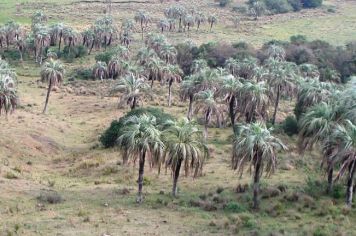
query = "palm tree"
{"x": 143, "y": 18}
{"x": 282, "y": 78}
{"x": 316, "y": 126}
{"x": 133, "y": 88}
{"x": 212, "y": 20}
{"x": 144, "y": 140}
{"x": 176, "y": 12}
{"x": 184, "y": 145}
{"x": 100, "y": 70}
{"x": 188, "y": 21}
{"x": 199, "y": 19}
{"x": 345, "y": 138}
{"x": 42, "y": 40}
{"x": 154, "y": 68}
{"x": 171, "y": 73}
{"x": 56, "y": 31}
{"x": 168, "y": 53}
{"x": 257, "y": 8}
{"x": 8, "y": 92}
{"x": 254, "y": 144}
{"x": 53, "y": 73}
{"x": 231, "y": 91}
{"x": 254, "y": 100}
{"x": 205, "y": 100}
{"x": 163, "y": 25}
{"x": 144, "y": 55}
{"x": 69, "y": 37}
{"x": 198, "y": 65}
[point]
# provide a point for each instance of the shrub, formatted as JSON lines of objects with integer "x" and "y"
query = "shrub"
{"x": 234, "y": 207}
{"x": 216, "y": 54}
{"x": 312, "y": 3}
{"x": 105, "y": 56}
{"x": 74, "y": 52}
{"x": 83, "y": 73}
{"x": 51, "y": 197}
{"x": 296, "y": 5}
{"x": 240, "y": 9}
{"x": 290, "y": 125}
{"x": 109, "y": 137}
{"x": 278, "y": 6}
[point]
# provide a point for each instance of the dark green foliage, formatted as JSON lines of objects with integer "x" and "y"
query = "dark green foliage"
{"x": 69, "y": 53}
{"x": 290, "y": 125}
{"x": 109, "y": 137}
{"x": 216, "y": 54}
{"x": 312, "y": 3}
{"x": 243, "y": 50}
{"x": 10, "y": 54}
{"x": 186, "y": 54}
{"x": 51, "y": 197}
{"x": 296, "y": 5}
{"x": 105, "y": 56}
{"x": 278, "y": 6}
{"x": 83, "y": 73}
{"x": 234, "y": 207}
{"x": 298, "y": 39}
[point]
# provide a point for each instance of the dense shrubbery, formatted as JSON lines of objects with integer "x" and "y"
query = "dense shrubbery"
{"x": 290, "y": 125}
{"x": 109, "y": 137}
{"x": 105, "y": 56}
{"x": 284, "y": 6}
{"x": 83, "y": 73}
{"x": 69, "y": 53}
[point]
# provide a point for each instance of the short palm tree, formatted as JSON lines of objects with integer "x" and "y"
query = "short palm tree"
{"x": 184, "y": 146}
{"x": 171, "y": 73}
{"x": 133, "y": 88}
{"x": 198, "y": 65}
{"x": 188, "y": 22}
{"x": 199, "y": 19}
{"x": 163, "y": 25}
{"x": 144, "y": 141}
{"x": 168, "y": 53}
{"x": 8, "y": 92}
{"x": 100, "y": 70}
{"x": 231, "y": 92}
{"x": 53, "y": 73}
{"x": 205, "y": 101}
{"x": 154, "y": 68}
{"x": 254, "y": 145}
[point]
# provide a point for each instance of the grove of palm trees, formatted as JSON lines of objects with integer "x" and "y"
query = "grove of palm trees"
{"x": 178, "y": 117}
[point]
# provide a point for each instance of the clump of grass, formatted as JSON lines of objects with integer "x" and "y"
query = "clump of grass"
{"x": 51, "y": 197}
{"x": 11, "y": 175}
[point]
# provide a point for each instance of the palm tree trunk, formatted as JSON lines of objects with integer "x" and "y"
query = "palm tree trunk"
{"x": 170, "y": 92}
{"x": 125, "y": 157}
{"x": 175, "y": 177}
{"x": 330, "y": 180}
{"x": 60, "y": 42}
{"x": 350, "y": 184}
{"x": 92, "y": 46}
{"x": 47, "y": 97}
{"x": 206, "y": 124}
{"x": 134, "y": 103}
{"x": 180, "y": 24}
{"x": 276, "y": 105}
{"x": 211, "y": 26}
{"x": 256, "y": 184}
{"x": 140, "y": 177}
{"x": 198, "y": 25}
{"x": 232, "y": 112}
{"x": 190, "y": 109}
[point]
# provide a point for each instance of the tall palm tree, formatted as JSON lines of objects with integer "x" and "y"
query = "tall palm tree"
{"x": 184, "y": 146}
{"x": 231, "y": 91}
{"x": 42, "y": 40}
{"x": 144, "y": 55}
{"x": 69, "y": 37}
{"x": 56, "y": 32}
{"x": 345, "y": 138}
{"x": 254, "y": 145}
{"x": 53, "y": 73}
{"x": 254, "y": 100}
{"x": 188, "y": 21}
{"x": 199, "y": 19}
{"x": 100, "y": 70}
{"x": 171, "y": 73}
{"x": 154, "y": 68}
{"x": 282, "y": 78}
{"x": 205, "y": 101}
{"x": 212, "y": 20}
{"x": 176, "y": 12}
{"x": 144, "y": 141}
{"x": 133, "y": 88}
{"x": 143, "y": 18}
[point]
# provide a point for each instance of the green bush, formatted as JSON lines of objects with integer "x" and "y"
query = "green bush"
{"x": 105, "y": 56}
{"x": 83, "y": 73}
{"x": 109, "y": 137}
{"x": 234, "y": 207}
{"x": 69, "y": 54}
{"x": 312, "y": 3}
{"x": 290, "y": 125}
{"x": 278, "y": 6}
